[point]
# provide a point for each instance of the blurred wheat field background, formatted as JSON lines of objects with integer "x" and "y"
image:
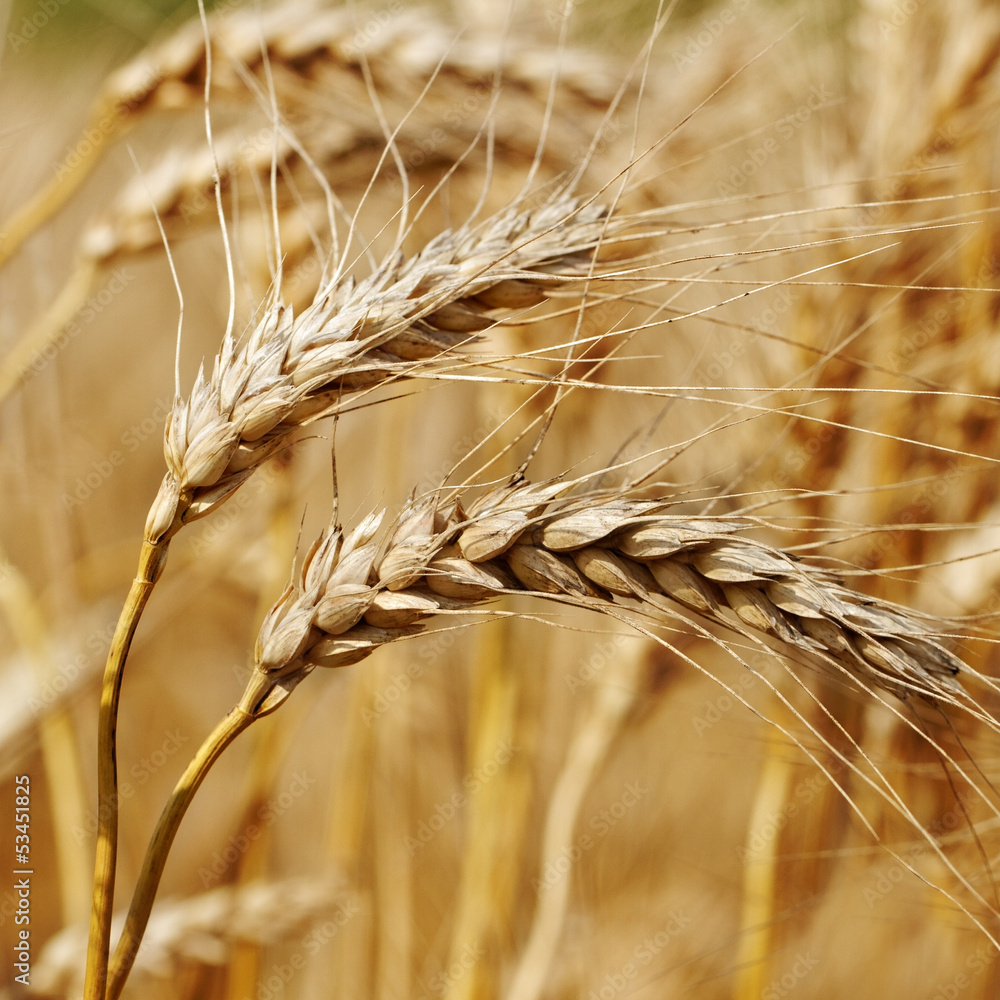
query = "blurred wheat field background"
{"x": 547, "y": 804}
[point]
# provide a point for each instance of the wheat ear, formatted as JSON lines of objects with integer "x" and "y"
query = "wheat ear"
{"x": 305, "y": 54}
{"x": 524, "y": 538}
{"x": 305, "y": 51}
{"x": 205, "y": 928}
{"x": 412, "y": 312}
{"x": 357, "y": 593}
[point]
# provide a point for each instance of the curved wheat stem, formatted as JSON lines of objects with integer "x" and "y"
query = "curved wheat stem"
{"x": 159, "y": 846}
{"x": 151, "y": 560}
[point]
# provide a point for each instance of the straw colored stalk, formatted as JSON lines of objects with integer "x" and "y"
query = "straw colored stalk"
{"x": 490, "y": 882}
{"x": 357, "y": 593}
{"x": 23, "y": 613}
{"x": 602, "y": 722}
{"x": 407, "y": 316}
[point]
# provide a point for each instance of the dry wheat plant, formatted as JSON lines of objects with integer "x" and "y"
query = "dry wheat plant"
{"x": 573, "y": 429}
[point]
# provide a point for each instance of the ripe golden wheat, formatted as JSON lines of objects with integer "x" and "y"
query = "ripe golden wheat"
{"x": 492, "y": 251}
